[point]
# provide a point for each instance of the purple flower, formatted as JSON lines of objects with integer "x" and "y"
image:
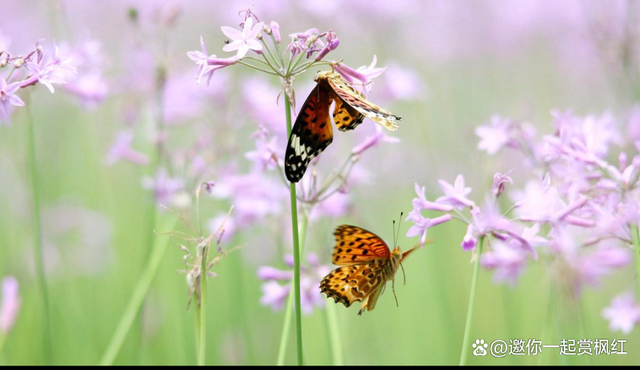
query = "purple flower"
{"x": 422, "y": 224}
{"x": 332, "y": 44}
{"x": 469, "y": 242}
{"x": 308, "y": 42}
{"x": 593, "y": 266}
{"x": 165, "y": 188}
{"x": 121, "y": 149}
{"x": 275, "y": 294}
{"x": 245, "y": 40}
{"x": 90, "y": 88}
{"x": 275, "y": 28}
{"x": 209, "y": 64}
{"x": 499, "y": 181}
{"x": 8, "y": 97}
{"x": 541, "y": 202}
{"x": 264, "y": 157}
{"x": 363, "y": 76}
{"x": 507, "y": 259}
{"x": 336, "y": 205}
{"x": 48, "y": 72}
{"x": 253, "y": 195}
{"x": 373, "y": 140}
{"x": 227, "y": 223}
{"x": 421, "y": 203}
{"x": 455, "y": 195}
{"x": 623, "y": 313}
{"x": 495, "y": 135}
{"x": 402, "y": 84}
{"x": 10, "y": 304}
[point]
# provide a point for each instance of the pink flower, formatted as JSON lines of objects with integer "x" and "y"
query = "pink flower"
{"x": 623, "y": 313}
{"x": 372, "y": 140}
{"x": 245, "y": 40}
{"x": 508, "y": 261}
{"x": 495, "y": 135}
{"x": 121, "y": 149}
{"x": 363, "y": 76}
{"x": 265, "y": 156}
{"x": 165, "y": 188}
{"x": 275, "y": 295}
{"x": 332, "y": 44}
{"x": 422, "y": 224}
{"x": 209, "y": 64}
{"x": 455, "y": 195}
{"x": 8, "y": 97}
{"x": 10, "y": 304}
{"x": 420, "y": 203}
{"x": 469, "y": 242}
{"x": 499, "y": 181}
{"x": 275, "y": 29}
{"x": 48, "y": 72}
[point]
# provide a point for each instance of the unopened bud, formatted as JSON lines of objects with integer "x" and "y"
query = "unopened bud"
{"x": 18, "y": 63}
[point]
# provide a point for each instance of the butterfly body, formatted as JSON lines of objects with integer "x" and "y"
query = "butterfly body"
{"x": 312, "y": 131}
{"x": 366, "y": 265}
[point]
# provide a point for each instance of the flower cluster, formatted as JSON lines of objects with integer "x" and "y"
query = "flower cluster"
{"x": 47, "y": 67}
{"x": 275, "y": 294}
{"x": 585, "y": 206}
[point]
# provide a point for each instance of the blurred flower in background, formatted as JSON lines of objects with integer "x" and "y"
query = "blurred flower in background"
{"x": 9, "y": 305}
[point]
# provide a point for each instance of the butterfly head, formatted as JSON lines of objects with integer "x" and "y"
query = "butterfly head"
{"x": 323, "y": 75}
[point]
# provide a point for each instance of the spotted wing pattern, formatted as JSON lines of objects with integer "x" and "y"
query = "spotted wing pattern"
{"x": 356, "y": 245}
{"x": 350, "y": 96}
{"x": 346, "y": 117}
{"x": 311, "y": 133}
{"x": 363, "y": 259}
{"x": 354, "y": 283}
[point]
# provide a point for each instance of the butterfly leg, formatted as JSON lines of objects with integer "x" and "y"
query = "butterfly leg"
{"x": 370, "y": 302}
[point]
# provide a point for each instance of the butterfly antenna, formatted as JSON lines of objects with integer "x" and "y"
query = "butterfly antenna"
{"x": 395, "y": 240}
{"x": 398, "y": 231}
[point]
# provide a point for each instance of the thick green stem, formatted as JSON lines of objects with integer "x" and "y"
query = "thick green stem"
{"x": 466, "y": 340}
{"x": 139, "y": 293}
{"x": 636, "y": 250}
{"x": 38, "y": 252}
{"x": 296, "y": 249}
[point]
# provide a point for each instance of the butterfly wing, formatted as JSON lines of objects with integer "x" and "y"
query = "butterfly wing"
{"x": 357, "y": 101}
{"x": 346, "y": 117}
{"x": 311, "y": 133}
{"x": 355, "y": 283}
{"x": 356, "y": 245}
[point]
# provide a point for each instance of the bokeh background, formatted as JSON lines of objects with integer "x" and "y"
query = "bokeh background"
{"x": 451, "y": 66}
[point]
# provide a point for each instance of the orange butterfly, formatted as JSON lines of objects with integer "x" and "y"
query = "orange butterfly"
{"x": 366, "y": 266}
{"x": 312, "y": 131}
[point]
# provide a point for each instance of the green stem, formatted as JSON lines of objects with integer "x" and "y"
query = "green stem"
{"x": 39, "y": 253}
{"x": 466, "y": 340}
{"x": 258, "y": 68}
{"x": 335, "y": 342}
{"x": 139, "y": 293}
{"x": 284, "y": 338}
{"x": 636, "y": 250}
{"x": 286, "y": 326}
{"x": 296, "y": 249}
{"x": 201, "y": 309}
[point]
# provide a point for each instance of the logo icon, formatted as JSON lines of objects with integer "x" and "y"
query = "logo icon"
{"x": 479, "y": 347}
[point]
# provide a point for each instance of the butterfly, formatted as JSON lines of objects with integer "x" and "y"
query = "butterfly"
{"x": 366, "y": 264}
{"x": 312, "y": 131}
